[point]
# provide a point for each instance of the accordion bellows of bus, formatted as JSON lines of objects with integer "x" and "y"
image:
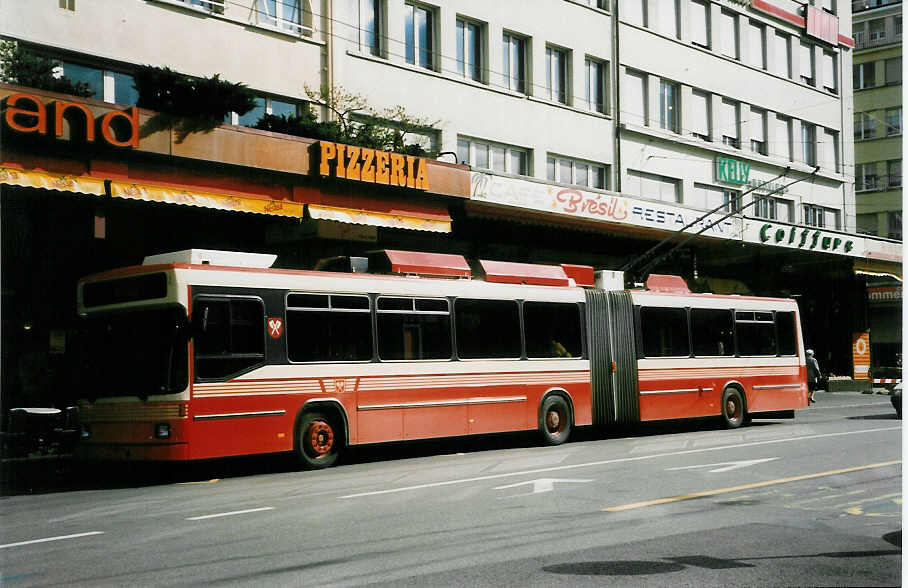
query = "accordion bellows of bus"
{"x": 200, "y": 354}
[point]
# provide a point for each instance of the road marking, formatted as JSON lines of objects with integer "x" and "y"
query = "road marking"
{"x": 46, "y": 539}
{"x": 230, "y": 514}
{"x": 706, "y": 493}
{"x": 729, "y": 465}
{"x": 881, "y": 403}
{"x": 613, "y": 461}
{"x": 540, "y": 486}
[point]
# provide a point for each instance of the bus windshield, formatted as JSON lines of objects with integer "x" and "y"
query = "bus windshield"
{"x": 134, "y": 353}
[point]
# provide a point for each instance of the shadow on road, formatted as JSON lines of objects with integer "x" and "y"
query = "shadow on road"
{"x": 62, "y": 474}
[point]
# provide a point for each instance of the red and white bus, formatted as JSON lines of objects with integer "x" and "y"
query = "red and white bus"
{"x": 202, "y": 354}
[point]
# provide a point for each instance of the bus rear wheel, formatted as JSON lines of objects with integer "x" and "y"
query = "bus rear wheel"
{"x": 555, "y": 421}
{"x": 733, "y": 408}
{"x": 319, "y": 441}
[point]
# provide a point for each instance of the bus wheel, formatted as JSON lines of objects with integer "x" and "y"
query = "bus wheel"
{"x": 319, "y": 441}
{"x": 555, "y": 420}
{"x": 733, "y": 408}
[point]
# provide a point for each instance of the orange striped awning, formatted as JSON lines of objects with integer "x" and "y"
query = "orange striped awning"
{"x": 191, "y": 196}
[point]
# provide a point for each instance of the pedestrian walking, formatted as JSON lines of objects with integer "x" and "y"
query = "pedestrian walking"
{"x": 813, "y": 375}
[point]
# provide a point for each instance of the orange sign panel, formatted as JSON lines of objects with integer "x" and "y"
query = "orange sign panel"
{"x": 371, "y": 165}
{"x": 860, "y": 351}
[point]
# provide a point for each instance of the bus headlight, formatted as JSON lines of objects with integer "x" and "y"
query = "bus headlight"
{"x": 162, "y": 431}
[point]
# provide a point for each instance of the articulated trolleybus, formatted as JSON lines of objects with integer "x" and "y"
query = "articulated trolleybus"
{"x": 201, "y": 354}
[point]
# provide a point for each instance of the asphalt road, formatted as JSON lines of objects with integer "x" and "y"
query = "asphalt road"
{"x": 814, "y": 501}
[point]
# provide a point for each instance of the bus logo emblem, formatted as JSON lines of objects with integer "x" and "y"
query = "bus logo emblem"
{"x": 275, "y": 327}
{"x": 340, "y": 386}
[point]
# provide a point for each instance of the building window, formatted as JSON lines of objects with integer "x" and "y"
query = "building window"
{"x": 419, "y": 36}
{"x": 864, "y": 126}
{"x": 782, "y": 58}
{"x": 497, "y": 157}
{"x": 809, "y": 143}
{"x": 894, "y": 70}
{"x": 109, "y": 86}
{"x": 756, "y": 45}
{"x": 893, "y": 121}
{"x": 731, "y": 122}
{"x": 515, "y": 60}
{"x": 633, "y": 11}
{"x": 710, "y": 197}
{"x": 596, "y": 84}
{"x": 700, "y": 108}
{"x": 830, "y": 72}
{"x": 865, "y": 177}
{"x": 877, "y": 30}
{"x": 729, "y": 34}
{"x": 894, "y": 173}
{"x": 668, "y": 105}
{"x": 895, "y": 225}
{"x": 634, "y": 97}
{"x": 864, "y": 75}
{"x": 771, "y": 208}
{"x": 830, "y": 150}
{"x": 68, "y": 4}
{"x": 556, "y": 74}
{"x": 758, "y": 131}
{"x": 372, "y": 23}
{"x": 654, "y": 187}
{"x": 469, "y": 49}
{"x": 667, "y": 22}
{"x": 266, "y": 105}
{"x": 808, "y": 75}
{"x": 814, "y": 216}
{"x": 215, "y": 6}
{"x": 562, "y": 170}
{"x": 699, "y": 23}
{"x": 282, "y": 14}
{"x": 783, "y": 139}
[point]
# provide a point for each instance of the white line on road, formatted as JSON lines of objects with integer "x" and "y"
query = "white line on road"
{"x": 886, "y": 402}
{"x": 729, "y": 465}
{"x": 46, "y": 539}
{"x": 229, "y": 514}
{"x": 613, "y": 461}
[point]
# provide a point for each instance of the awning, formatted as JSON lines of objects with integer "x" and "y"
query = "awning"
{"x": 194, "y": 197}
{"x": 52, "y": 181}
{"x": 377, "y": 212}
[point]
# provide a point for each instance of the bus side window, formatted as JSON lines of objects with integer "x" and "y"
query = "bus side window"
{"x": 487, "y": 329}
{"x": 228, "y": 336}
{"x": 413, "y": 328}
{"x": 787, "y": 335}
{"x": 664, "y": 331}
{"x": 322, "y": 327}
{"x": 712, "y": 332}
{"x": 552, "y": 329}
{"x": 755, "y": 333}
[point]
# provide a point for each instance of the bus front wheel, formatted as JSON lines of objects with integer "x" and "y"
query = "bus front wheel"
{"x": 555, "y": 420}
{"x": 733, "y": 408}
{"x": 319, "y": 441}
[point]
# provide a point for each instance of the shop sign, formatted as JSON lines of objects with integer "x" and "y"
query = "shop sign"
{"x": 884, "y": 294}
{"x": 805, "y": 238}
{"x": 606, "y": 207}
{"x": 371, "y": 165}
{"x": 26, "y": 114}
{"x": 732, "y": 171}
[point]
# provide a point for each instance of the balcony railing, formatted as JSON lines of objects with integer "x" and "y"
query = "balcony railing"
{"x": 861, "y": 5}
{"x": 878, "y": 183}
